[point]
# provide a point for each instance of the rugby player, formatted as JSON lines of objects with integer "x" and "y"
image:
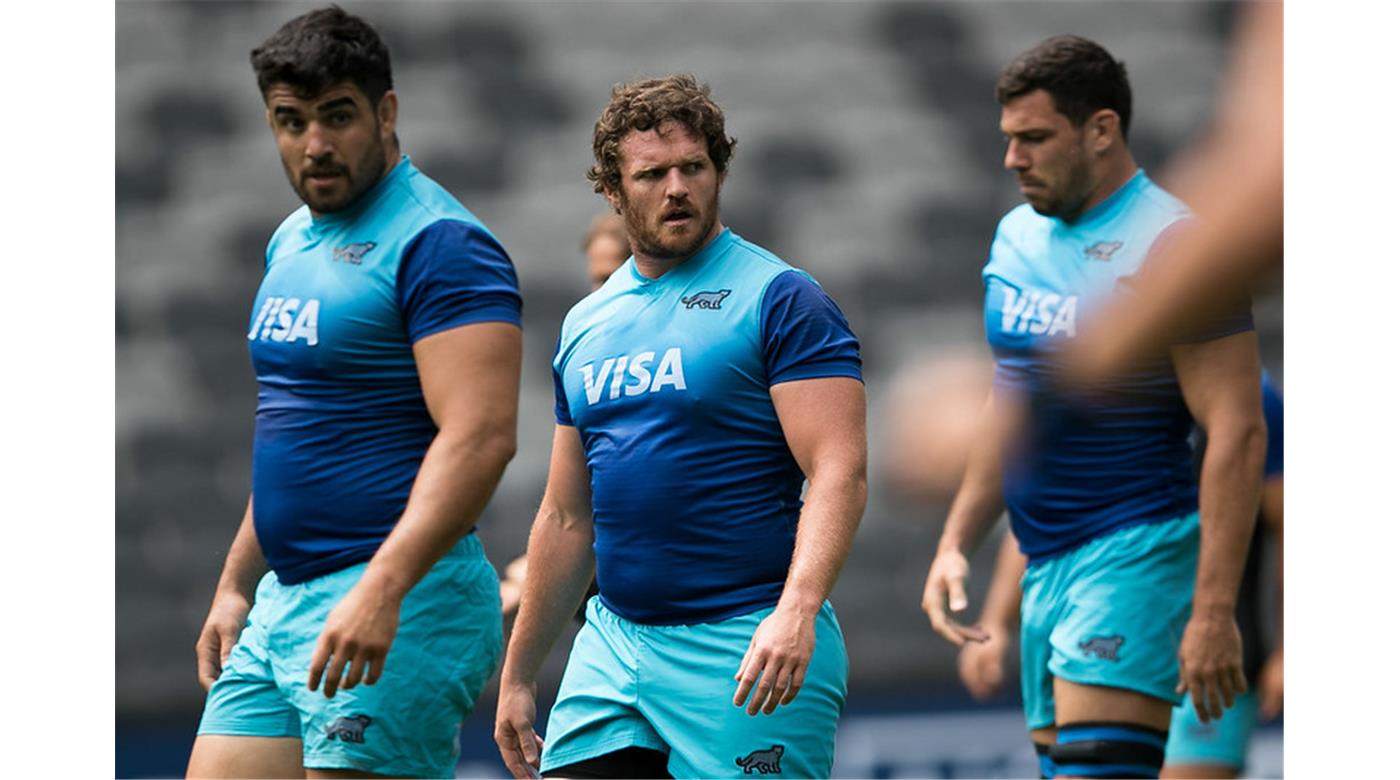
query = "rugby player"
{"x": 386, "y": 341}
{"x": 694, "y": 391}
{"x": 1098, "y": 480}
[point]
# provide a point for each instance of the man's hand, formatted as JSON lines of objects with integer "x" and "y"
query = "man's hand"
{"x": 1212, "y": 664}
{"x": 945, "y": 591}
{"x": 1271, "y": 686}
{"x": 775, "y": 665}
{"x": 227, "y": 616}
{"x": 982, "y": 665}
{"x": 356, "y": 639}
{"x": 515, "y": 734}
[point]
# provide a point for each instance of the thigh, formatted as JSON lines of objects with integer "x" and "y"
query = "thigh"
{"x": 1127, "y": 600}
{"x": 224, "y": 756}
{"x": 624, "y": 764}
{"x": 408, "y": 723}
{"x": 687, "y": 680}
{"x": 245, "y": 701}
{"x": 1076, "y": 703}
{"x": 1215, "y": 749}
{"x": 1038, "y": 609}
{"x": 596, "y": 712}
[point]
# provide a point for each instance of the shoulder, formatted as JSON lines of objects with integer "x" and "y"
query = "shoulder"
{"x": 1017, "y": 234}
{"x": 291, "y": 229}
{"x": 420, "y": 204}
{"x": 1155, "y": 210}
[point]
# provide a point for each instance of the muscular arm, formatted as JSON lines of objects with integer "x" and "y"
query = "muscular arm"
{"x": 1220, "y": 382}
{"x": 823, "y": 421}
{"x": 470, "y": 377}
{"x": 233, "y": 599}
{"x": 976, "y": 506}
{"x": 557, "y": 576}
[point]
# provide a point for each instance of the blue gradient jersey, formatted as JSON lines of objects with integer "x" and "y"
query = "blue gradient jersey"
{"x": 1086, "y": 464}
{"x": 341, "y": 423}
{"x": 695, "y": 492}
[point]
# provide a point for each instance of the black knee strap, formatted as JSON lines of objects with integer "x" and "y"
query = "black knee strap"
{"x": 1108, "y": 749}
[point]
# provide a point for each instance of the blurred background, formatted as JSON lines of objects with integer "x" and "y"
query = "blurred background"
{"x": 868, "y": 155}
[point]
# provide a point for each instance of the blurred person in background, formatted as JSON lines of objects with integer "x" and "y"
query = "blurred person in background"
{"x": 1195, "y": 749}
{"x": 386, "y": 341}
{"x": 1233, "y": 182}
{"x": 1098, "y": 480}
{"x": 604, "y": 250}
{"x": 694, "y": 391}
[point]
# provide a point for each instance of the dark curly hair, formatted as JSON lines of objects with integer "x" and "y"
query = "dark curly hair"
{"x": 320, "y": 48}
{"x": 645, "y": 105}
{"x": 1080, "y": 75}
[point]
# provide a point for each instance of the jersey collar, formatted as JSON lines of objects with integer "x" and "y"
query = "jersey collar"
{"x": 376, "y": 193}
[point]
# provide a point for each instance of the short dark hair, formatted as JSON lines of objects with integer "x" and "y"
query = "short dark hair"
{"x": 646, "y": 105}
{"x": 320, "y": 48}
{"x": 1080, "y": 75}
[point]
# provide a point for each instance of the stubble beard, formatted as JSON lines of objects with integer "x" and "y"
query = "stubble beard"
{"x": 360, "y": 178}
{"x": 649, "y": 242}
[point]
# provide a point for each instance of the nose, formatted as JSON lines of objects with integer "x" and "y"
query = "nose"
{"x": 1015, "y": 158}
{"x": 318, "y": 142}
{"x": 677, "y": 188}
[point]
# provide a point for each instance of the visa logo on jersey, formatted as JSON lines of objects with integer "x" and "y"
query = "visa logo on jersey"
{"x": 1038, "y": 312}
{"x": 632, "y": 375}
{"x": 286, "y": 320}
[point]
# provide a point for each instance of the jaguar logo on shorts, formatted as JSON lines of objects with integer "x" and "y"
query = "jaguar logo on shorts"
{"x": 351, "y": 729}
{"x": 706, "y": 300}
{"x": 1104, "y": 647}
{"x": 764, "y": 762}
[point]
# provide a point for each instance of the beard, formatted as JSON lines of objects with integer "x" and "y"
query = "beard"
{"x": 359, "y": 178}
{"x": 660, "y": 242}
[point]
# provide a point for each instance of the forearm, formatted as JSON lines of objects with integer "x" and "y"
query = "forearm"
{"x": 830, "y": 515}
{"x": 1230, "y": 486}
{"x": 1003, "y": 606}
{"x": 244, "y": 565}
{"x": 559, "y": 569}
{"x": 979, "y": 501}
{"x": 458, "y": 475}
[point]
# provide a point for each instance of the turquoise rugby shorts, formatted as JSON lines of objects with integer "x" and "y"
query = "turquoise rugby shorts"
{"x": 1110, "y": 612}
{"x": 1223, "y": 742}
{"x": 671, "y": 689}
{"x": 407, "y": 723}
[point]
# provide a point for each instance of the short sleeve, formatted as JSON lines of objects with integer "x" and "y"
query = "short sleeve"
{"x": 455, "y": 273}
{"x": 561, "y": 400}
{"x": 805, "y": 335}
{"x": 1273, "y": 417}
{"x": 1235, "y": 317}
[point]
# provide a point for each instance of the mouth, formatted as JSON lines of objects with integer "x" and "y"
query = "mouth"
{"x": 322, "y": 177}
{"x": 676, "y": 217}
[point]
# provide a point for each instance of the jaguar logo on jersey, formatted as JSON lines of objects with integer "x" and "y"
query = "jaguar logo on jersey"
{"x": 706, "y": 300}
{"x": 354, "y": 254}
{"x": 1038, "y": 312}
{"x": 764, "y": 762}
{"x": 632, "y": 375}
{"x": 1103, "y": 251}
{"x": 286, "y": 320}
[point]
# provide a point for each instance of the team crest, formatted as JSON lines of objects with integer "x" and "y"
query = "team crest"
{"x": 1103, "y": 250}
{"x": 353, "y": 254}
{"x": 764, "y": 762}
{"x": 351, "y": 729}
{"x": 706, "y": 300}
{"x": 1102, "y": 647}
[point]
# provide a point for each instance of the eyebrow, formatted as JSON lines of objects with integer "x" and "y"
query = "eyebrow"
{"x": 339, "y": 102}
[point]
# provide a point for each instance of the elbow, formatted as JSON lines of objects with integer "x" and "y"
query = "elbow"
{"x": 1245, "y": 438}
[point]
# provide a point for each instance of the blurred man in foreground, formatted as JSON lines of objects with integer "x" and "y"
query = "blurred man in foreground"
{"x": 1098, "y": 480}
{"x": 694, "y": 391}
{"x": 386, "y": 341}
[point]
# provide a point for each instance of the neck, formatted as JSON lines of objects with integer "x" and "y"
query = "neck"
{"x": 1118, "y": 169}
{"x": 654, "y": 267}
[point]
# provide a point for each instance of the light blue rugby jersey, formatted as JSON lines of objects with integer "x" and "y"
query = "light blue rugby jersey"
{"x": 342, "y": 425}
{"x": 695, "y": 492}
{"x": 1086, "y": 464}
